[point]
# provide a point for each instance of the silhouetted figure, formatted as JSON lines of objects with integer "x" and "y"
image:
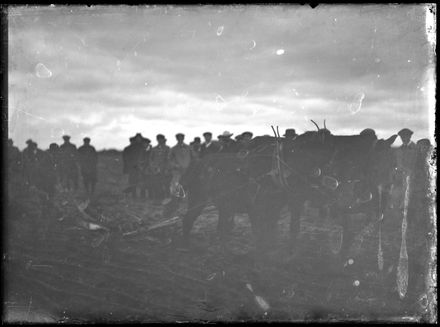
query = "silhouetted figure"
{"x": 14, "y": 158}
{"x": 406, "y": 153}
{"x": 69, "y": 164}
{"x": 227, "y": 143}
{"x": 209, "y": 146}
{"x": 125, "y": 156}
{"x": 54, "y": 152}
{"x": 46, "y": 178}
{"x": 88, "y": 162}
{"x": 196, "y": 146}
{"x": 245, "y": 139}
{"x": 180, "y": 159}
{"x": 160, "y": 169}
{"x": 30, "y": 162}
{"x": 144, "y": 162}
{"x": 133, "y": 165}
{"x": 290, "y": 134}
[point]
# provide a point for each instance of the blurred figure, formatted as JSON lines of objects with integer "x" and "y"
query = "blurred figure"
{"x": 88, "y": 161}
{"x": 30, "y": 162}
{"x": 14, "y": 158}
{"x": 180, "y": 159}
{"x": 144, "y": 162}
{"x": 290, "y": 134}
{"x": 159, "y": 168}
{"x": 69, "y": 164}
{"x": 46, "y": 178}
{"x": 196, "y": 147}
{"x": 209, "y": 146}
{"x": 125, "y": 156}
{"x": 406, "y": 153}
{"x": 227, "y": 143}
{"x": 132, "y": 158}
{"x": 54, "y": 153}
{"x": 245, "y": 139}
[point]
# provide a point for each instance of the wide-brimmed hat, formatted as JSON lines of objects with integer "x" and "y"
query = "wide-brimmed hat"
{"x": 247, "y": 133}
{"x": 226, "y": 134}
{"x": 160, "y": 137}
{"x": 66, "y": 137}
{"x": 207, "y": 133}
{"x": 29, "y": 141}
{"x": 86, "y": 139}
{"x": 290, "y": 132}
{"x": 138, "y": 135}
{"x": 405, "y": 132}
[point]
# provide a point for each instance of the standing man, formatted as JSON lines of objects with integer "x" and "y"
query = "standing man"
{"x": 209, "y": 146}
{"x": 88, "y": 161}
{"x": 180, "y": 158}
{"x": 159, "y": 168}
{"x": 30, "y": 162}
{"x": 228, "y": 145}
{"x": 406, "y": 153}
{"x": 196, "y": 148}
{"x": 69, "y": 164}
{"x": 144, "y": 163}
{"x": 54, "y": 153}
{"x": 245, "y": 139}
{"x": 133, "y": 164}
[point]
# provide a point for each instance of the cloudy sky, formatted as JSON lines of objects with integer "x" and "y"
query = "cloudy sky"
{"x": 110, "y": 71}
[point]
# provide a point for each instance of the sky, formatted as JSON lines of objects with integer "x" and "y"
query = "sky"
{"x": 109, "y": 72}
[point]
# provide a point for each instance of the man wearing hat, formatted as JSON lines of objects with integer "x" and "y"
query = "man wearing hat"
{"x": 180, "y": 159}
{"x": 69, "y": 164}
{"x": 88, "y": 161}
{"x": 195, "y": 148}
{"x": 227, "y": 143}
{"x": 406, "y": 153}
{"x": 209, "y": 146}
{"x": 405, "y": 163}
{"x": 290, "y": 134}
{"x": 133, "y": 164}
{"x": 243, "y": 140}
{"x": 159, "y": 168}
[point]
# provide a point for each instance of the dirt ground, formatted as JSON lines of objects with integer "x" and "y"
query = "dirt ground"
{"x": 59, "y": 269}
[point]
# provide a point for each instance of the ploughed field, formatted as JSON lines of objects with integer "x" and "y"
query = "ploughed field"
{"x": 60, "y": 265}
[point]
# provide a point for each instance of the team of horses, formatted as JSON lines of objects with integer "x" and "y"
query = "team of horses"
{"x": 343, "y": 174}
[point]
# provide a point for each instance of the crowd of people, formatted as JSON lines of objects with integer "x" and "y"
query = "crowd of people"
{"x": 153, "y": 171}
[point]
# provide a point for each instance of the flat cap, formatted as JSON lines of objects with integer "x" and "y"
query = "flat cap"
{"x": 405, "y": 131}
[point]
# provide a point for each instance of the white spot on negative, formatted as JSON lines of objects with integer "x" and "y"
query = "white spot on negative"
{"x": 280, "y": 52}
{"x": 220, "y": 30}
{"x": 42, "y": 71}
{"x": 254, "y": 44}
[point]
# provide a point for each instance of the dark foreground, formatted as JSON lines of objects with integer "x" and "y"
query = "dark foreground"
{"x": 56, "y": 269}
